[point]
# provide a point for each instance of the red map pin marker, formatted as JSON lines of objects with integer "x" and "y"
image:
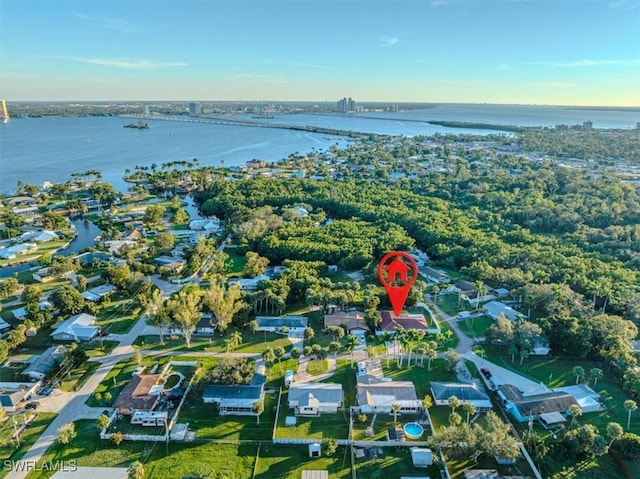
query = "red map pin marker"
{"x": 397, "y": 272}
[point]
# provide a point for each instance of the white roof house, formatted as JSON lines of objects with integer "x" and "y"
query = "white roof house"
{"x": 96, "y": 294}
{"x": 465, "y": 392}
{"x": 76, "y": 328}
{"x": 43, "y": 236}
{"x": 495, "y": 309}
{"x": 41, "y": 364}
{"x": 312, "y": 399}
{"x": 21, "y": 313}
{"x": 375, "y": 395}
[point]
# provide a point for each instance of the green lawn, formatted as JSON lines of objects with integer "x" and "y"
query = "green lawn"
{"x": 475, "y": 327}
{"x": 325, "y": 425}
{"x": 207, "y": 424}
{"x": 420, "y": 376}
{"x": 449, "y": 304}
{"x": 394, "y": 463}
{"x": 79, "y": 376}
{"x": 315, "y": 367}
{"x": 236, "y": 262}
{"x": 8, "y": 448}
{"x": 288, "y": 462}
{"x": 119, "y": 316}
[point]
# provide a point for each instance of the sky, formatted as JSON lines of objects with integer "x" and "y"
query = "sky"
{"x": 557, "y": 52}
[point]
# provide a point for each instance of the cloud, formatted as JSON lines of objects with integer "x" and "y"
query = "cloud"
{"x": 386, "y": 41}
{"x": 129, "y": 63}
{"x": 118, "y": 24}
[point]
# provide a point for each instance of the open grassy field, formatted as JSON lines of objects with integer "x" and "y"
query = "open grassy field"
{"x": 475, "y": 327}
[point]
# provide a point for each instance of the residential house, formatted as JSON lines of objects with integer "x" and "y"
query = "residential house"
{"x": 141, "y": 394}
{"x": 248, "y": 284}
{"x": 542, "y": 406}
{"x": 351, "y": 321}
{"x": 377, "y": 396}
{"x": 466, "y": 393}
{"x": 295, "y": 324}
{"x": 97, "y": 294}
{"x": 587, "y": 398}
{"x": 469, "y": 292}
{"x": 13, "y": 252}
{"x": 436, "y": 276}
{"x": 495, "y": 309}
{"x": 42, "y": 236}
{"x": 21, "y": 313}
{"x": 313, "y": 399}
{"x": 76, "y": 328}
{"x": 12, "y": 395}
{"x": 236, "y": 399}
{"x": 4, "y": 325}
{"x": 405, "y": 321}
{"x": 41, "y": 364}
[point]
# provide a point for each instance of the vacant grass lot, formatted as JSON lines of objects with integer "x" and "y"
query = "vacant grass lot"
{"x": 475, "y": 327}
{"x": 119, "y": 316}
{"x": 323, "y": 426}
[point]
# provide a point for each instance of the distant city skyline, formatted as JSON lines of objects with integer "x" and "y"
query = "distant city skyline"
{"x": 555, "y": 52}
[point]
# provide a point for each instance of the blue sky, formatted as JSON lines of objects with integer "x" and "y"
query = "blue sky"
{"x": 578, "y": 52}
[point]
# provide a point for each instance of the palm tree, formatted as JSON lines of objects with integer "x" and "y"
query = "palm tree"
{"x": 258, "y": 408}
{"x": 578, "y": 372}
{"x": 427, "y": 402}
{"x": 350, "y": 346}
{"x": 386, "y": 337}
{"x": 278, "y": 353}
{"x": 469, "y": 410}
{"x": 575, "y": 411}
{"x": 630, "y": 405}
{"x": 431, "y": 353}
{"x": 395, "y": 410}
{"x": 595, "y": 374}
{"x": 454, "y": 402}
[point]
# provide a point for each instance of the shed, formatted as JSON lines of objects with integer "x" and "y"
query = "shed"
{"x": 421, "y": 457}
{"x": 315, "y": 450}
{"x": 324, "y": 474}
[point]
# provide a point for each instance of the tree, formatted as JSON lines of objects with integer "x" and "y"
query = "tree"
{"x": 223, "y": 304}
{"x": 295, "y": 353}
{"x": 455, "y": 419}
{"x": 255, "y": 264}
{"x": 630, "y": 405}
{"x": 578, "y": 372}
{"x": 595, "y": 374}
{"x": 575, "y": 411}
{"x": 452, "y": 357}
{"x": 309, "y": 333}
{"x": 160, "y": 319}
{"x": 278, "y": 353}
{"x": 258, "y": 408}
{"x": 102, "y": 421}
{"x": 68, "y": 300}
{"x": 614, "y": 432}
{"x": 454, "y": 403}
{"x": 233, "y": 342}
{"x": 469, "y": 409}
{"x": 135, "y": 470}
{"x": 137, "y": 357}
{"x": 185, "y": 310}
{"x": 395, "y": 410}
{"x": 350, "y": 345}
{"x": 66, "y": 433}
{"x": 334, "y": 348}
{"x": 117, "y": 438}
{"x": 330, "y": 446}
{"x": 153, "y": 215}
{"x": 427, "y": 402}
{"x": 108, "y": 397}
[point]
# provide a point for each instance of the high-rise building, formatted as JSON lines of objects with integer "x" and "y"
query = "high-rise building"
{"x": 346, "y": 105}
{"x": 194, "y": 108}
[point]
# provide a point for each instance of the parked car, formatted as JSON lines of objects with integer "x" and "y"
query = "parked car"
{"x": 486, "y": 373}
{"x": 31, "y": 405}
{"x": 46, "y": 391}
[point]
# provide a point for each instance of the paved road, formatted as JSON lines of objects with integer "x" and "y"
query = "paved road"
{"x": 74, "y": 406}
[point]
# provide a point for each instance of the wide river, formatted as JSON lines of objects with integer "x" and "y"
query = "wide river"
{"x": 34, "y": 150}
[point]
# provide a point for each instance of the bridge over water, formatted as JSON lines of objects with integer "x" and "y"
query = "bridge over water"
{"x": 214, "y": 120}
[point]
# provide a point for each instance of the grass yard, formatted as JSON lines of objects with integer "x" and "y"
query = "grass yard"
{"x": 449, "y": 304}
{"x": 475, "y": 327}
{"x": 317, "y": 427}
{"x": 236, "y": 262}
{"x": 420, "y": 376}
{"x": 315, "y": 367}
{"x": 288, "y": 462}
{"x": 79, "y": 376}
{"x": 275, "y": 375}
{"x": 32, "y": 433}
{"x": 209, "y": 425}
{"x": 394, "y": 462}
{"x": 119, "y": 316}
